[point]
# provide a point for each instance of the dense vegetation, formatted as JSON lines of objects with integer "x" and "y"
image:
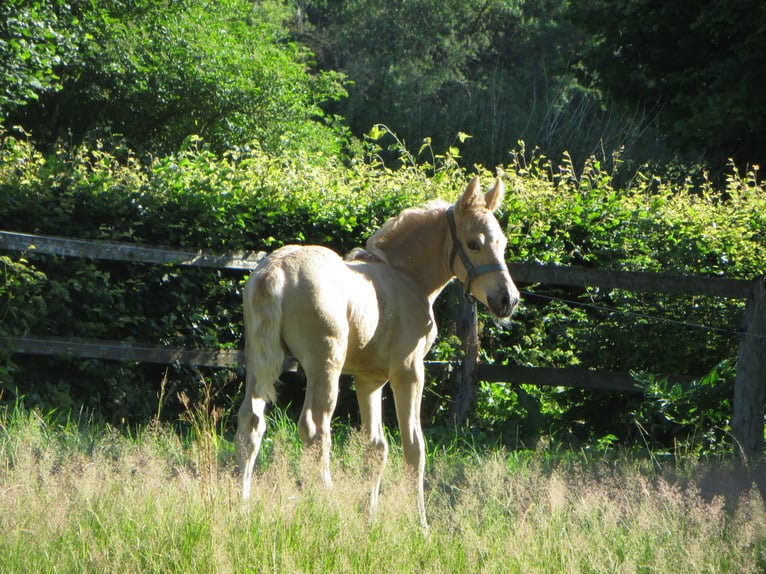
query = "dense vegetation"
{"x": 95, "y": 500}
{"x": 237, "y": 125}
{"x": 665, "y": 80}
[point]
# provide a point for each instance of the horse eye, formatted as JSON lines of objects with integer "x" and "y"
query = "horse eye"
{"x": 473, "y": 245}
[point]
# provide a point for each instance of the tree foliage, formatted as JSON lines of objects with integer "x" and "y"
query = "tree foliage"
{"x": 154, "y": 76}
{"x": 661, "y": 79}
{"x": 582, "y": 77}
{"x": 36, "y": 37}
{"x": 498, "y": 70}
{"x": 701, "y": 65}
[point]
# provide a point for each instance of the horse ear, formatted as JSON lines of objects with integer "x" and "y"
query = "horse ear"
{"x": 494, "y": 196}
{"x": 472, "y": 197}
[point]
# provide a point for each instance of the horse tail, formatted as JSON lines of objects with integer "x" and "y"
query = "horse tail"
{"x": 264, "y": 352}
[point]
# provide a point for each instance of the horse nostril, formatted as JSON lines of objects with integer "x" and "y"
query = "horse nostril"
{"x": 503, "y": 302}
{"x": 509, "y": 302}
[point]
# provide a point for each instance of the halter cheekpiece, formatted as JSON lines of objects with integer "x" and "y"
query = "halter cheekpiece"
{"x": 472, "y": 272}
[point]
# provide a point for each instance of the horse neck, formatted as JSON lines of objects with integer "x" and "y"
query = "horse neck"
{"x": 423, "y": 255}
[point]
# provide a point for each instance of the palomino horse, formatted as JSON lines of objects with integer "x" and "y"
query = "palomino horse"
{"x": 370, "y": 316}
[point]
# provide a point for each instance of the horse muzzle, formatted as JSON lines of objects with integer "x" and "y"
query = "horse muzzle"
{"x": 503, "y": 302}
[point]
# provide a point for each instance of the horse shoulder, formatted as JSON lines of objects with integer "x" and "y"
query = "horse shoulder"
{"x": 403, "y": 312}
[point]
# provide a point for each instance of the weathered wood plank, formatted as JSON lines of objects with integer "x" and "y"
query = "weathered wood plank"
{"x": 131, "y": 352}
{"x": 572, "y": 276}
{"x": 119, "y": 351}
{"x": 66, "y": 247}
{"x": 522, "y": 272}
{"x": 750, "y": 385}
{"x": 557, "y": 377}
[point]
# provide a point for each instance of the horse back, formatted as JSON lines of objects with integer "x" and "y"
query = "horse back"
{"x": 365, "y": 307}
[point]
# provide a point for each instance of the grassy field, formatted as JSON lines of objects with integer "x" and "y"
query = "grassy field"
{"x": 82, "y": 497}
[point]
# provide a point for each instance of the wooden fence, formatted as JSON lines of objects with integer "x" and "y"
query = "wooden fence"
{"x": 750, "y": 386}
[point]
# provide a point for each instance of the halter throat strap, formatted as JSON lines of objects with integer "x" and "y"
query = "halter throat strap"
{"x": 472, "y": 271}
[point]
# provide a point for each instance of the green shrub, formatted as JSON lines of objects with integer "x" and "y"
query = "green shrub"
{"x": 194, "y": 199}
{"x": 253, "y": 200}
{"x": 558, "y": 216}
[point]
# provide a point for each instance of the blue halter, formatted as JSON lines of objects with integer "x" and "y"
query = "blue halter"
{"x": 472, "y": 272}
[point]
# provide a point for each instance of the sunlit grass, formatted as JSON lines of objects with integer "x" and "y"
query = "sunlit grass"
{"x": 82, "y": 497}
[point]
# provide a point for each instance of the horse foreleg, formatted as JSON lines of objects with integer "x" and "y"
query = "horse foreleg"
{"x": 407, "y": 396}
{"x": 370, "y": 407}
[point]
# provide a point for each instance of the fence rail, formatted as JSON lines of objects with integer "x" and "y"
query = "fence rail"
{"x": 125, "y": 351}
{"x": 235, "y": 358}
{"x": 631, "y": 280}
{"x": 246, "y": 261}
{"x": 50, "y": 245}
{"x": 750, "y": 387}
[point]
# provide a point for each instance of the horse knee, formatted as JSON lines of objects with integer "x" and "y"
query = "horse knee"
{"x": 317, "y": 440}
{"x": 414, "y": 451}
{"x": 251, "y": 417}
{"x": 378, "y": 447}
{"x": 314, "y": 427}
{"x": 251, "y": 425}
{"x": 377, "y": 458}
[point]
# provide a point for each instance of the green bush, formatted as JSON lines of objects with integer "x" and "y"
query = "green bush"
{"x": 35, "y": 38}
{"x": 193, "y": 199}
{"x": 253, "y": 200}
{"x": 558, "y": 216}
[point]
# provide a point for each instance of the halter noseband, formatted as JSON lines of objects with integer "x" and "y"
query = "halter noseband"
{"x": 472, "y": 272}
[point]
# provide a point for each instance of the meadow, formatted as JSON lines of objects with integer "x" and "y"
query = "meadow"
{"x": 80, "y": 496}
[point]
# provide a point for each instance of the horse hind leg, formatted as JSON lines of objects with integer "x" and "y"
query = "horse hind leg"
{"x": 250, "y": 428}
{"x": 251, "y": 421}
{"x": 264, "y": 356}
{"x": 322, "y": 379}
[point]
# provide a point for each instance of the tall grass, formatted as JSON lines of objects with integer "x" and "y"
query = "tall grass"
{"x": 81, "y": 497}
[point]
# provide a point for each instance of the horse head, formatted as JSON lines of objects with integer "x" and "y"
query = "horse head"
{"x": 477, "y": 256}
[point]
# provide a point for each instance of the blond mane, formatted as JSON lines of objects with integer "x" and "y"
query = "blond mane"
{"x": 396, "y": 228}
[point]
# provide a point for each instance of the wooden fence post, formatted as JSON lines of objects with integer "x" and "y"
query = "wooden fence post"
{"x": 465, "y": 376}
{"x": 750, "y": 385}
